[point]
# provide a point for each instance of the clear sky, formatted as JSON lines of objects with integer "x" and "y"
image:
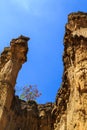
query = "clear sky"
{"x": 44, "y": 22}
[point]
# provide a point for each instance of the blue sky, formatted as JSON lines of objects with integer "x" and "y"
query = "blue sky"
{"x": 44, "y": 22}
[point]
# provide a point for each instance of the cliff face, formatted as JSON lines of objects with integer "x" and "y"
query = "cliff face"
{"x": 69, "y": 112}
{"x": 72, "y": 97}
{"x": 29, "y": 116}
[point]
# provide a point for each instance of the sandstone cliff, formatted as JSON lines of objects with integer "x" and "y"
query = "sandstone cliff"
{"x": 69, "y": 111}
{"x": 71, "y": 101}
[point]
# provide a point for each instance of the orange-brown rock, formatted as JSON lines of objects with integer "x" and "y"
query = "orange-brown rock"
{"x": 11, "y": 61}
{"x": 16, "y": 114}
{"x": 71, "y": 101}
{"x": 69, "y": 111}
{"x": 29, "y": 116}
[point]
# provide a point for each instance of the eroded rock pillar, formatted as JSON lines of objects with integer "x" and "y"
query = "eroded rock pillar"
{"x": 11, "y": 61}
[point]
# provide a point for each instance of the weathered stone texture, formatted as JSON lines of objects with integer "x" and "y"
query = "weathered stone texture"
{"x": 74, "y": 100}
{"x": 29, "y": 116}
{"x": 16, "y": 114}
{"x": 69, "y": 112}
{"x": 11, "y": 61}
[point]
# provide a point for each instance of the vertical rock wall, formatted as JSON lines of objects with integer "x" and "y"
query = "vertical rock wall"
{"x": 72, "y": 97}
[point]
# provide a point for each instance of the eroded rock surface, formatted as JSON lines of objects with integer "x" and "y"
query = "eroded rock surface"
{"x": 29, "y": 116}
{"x": 11, "y": 61}
{"x": 69, "y": 111}
{"x": 71, "y": 100}
{"x": 16, "y": 114}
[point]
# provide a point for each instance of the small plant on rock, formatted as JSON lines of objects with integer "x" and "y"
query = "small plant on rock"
{"x": 30, "y": 93}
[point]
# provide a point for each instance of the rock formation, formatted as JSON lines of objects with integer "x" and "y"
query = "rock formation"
{"x": 71, "y": 101}
{"x": 11, "y": 61}
{"x": 16, "y": 114}
{"x": 69, "y": 111}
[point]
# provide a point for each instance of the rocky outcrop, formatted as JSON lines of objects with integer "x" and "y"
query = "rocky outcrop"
{"x": 29, "y": 116}
{"x": 11, "y": 61}
{"x": 71, "y": 101}
{"x": 69, "y": 111}
{"x": 16, "y": 114}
